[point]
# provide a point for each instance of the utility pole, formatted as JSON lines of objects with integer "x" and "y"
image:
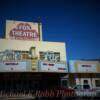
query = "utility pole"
{"x": 39, "y": 28}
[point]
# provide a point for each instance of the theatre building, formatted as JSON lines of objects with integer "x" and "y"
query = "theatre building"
{"x": 27, "y": 62}
{"x": 85, "y": 72}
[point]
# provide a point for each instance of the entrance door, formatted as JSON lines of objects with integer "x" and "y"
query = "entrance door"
{"x": 86, "y": 81}
{"x": 64, "y": 83}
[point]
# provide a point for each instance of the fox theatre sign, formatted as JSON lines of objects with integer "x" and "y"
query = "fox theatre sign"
{"x": 23, "y": 30}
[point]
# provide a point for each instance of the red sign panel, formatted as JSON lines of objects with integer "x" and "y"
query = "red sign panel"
{"x": 24, "y": 31}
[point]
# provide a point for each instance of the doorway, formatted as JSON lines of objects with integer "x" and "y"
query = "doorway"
{"x": 64, "y": 83}
{"x": 86, "y": 81}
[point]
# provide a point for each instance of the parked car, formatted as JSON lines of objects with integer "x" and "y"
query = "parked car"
{"x": 85, "y": 91}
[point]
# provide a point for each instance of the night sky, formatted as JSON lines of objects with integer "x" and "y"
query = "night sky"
{"x": 75, "y": 22}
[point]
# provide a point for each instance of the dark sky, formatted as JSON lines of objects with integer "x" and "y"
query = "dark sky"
{"x": 76, "y": 22}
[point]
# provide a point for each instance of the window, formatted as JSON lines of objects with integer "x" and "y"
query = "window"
{"x": 86, "y": 86}
{"x": 78, "y": 87}
{"x": 57, "y": 56}
{"x": 97, "y": 83}
{"x": 9, "y": 55}
{"x": 24, "y": 54}
{"x": 17, "y": 55}
{"x": 20, "y": 55}
{"x": 42, "y": 55}
{"x": 50, "y": 56}
{"x": 85, "y": 81}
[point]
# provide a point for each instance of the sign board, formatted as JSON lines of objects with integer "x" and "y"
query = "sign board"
{"x": 87, "y": 68}
{"x": 13, "y": 66}
{"x": 84, "y": 66}
{"x": 52, "y": 66}
{"x": 23, "y": 30}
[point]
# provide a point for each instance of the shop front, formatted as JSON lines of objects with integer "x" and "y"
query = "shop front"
{"x": 85, "y": 72}
{"x": 30, "y": 65}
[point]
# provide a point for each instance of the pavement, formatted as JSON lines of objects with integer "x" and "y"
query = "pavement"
{"x": 33, "y": 98}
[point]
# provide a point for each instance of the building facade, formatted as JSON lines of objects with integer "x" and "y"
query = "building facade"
{"x": 28, "y": 63}
{"x": 85, "y": 72}
{"x": 32, "y": 56}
